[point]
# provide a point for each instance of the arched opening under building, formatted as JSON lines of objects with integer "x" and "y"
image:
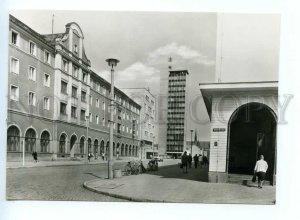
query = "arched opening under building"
{"x": 122, "y": 150}
{"x": 73, "y": 145}
{"x": 13, "y": 138}
{"x": 62, "y": 145}
{"x": 251, "y": 133}
{"x": 81, "y": 146}
{"x": 89, "y": 145}
{"x": 96, "y": 145}
{"x": 30, "y": 140}
{"x": 45, "y": 141}
{"x": 102, "y": 147}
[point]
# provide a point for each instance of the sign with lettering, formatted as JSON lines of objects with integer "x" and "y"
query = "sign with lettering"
{"x": 218, "y": 129}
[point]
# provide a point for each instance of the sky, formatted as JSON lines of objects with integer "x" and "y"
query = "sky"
{"x": 144, "y": 41}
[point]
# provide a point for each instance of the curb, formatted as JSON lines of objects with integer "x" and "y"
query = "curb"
{"x": 120, "y": 196}
{"x": 54, "y": 165}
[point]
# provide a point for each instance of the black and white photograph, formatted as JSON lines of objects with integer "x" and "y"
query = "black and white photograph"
{"x": 144, "y": 107}
{"x": 152, "y": 106}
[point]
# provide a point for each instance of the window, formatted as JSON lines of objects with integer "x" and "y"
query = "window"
{"x": 103, "y": 121}
{"x": 126, "y": 129}
{"x": 83, "y": 96}
{"x": 14, "y": 65}
{"x": 84, "y": 77}
{"x": 32, "y": 48}
{"x": 103, "y": 91}
{"x": 75, "y": 71}
{"x": 90, "y": 117}
{"x": 14, "y": 93}
{"x": 64, "y": 86}
{"x": 103, "y": 106}
{"x": 65, "y": 65}
{"x": 75, "y": 48}
{"x": 91, "y": 100}
{"x": 63, "y": 108}
{"x": 15, "y": 38}
{"x": 32, "y": 73}
{"x": 46, "y": 80}
{"x": 119, "y": 128}
{"x": 97, "y": 103}
{"x": 114, "y": 125}
{"x": 97, "y": 119}
{"x": 46, "y": 103}
{"x": 98, "y": 86}
{"x": 91, "y": 83}
{"x": 147, "y": 98}
{"x": 73, "y": 112}
{"x": 47, "y": 57}
{"x": 82, "y": 114}
{"x": 123, "y": 128}
{"x": 74, "y": 92}
{"x": 31, "y": 98}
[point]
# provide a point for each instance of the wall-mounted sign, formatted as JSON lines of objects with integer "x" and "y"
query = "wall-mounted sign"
{"x": 218, "y": 129}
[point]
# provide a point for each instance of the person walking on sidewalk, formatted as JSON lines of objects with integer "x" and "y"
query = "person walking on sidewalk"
{"x": 196, "y": 160}
{"x": 260, "y": 170}
{"x": 103, "y": 155}
{"x": 184, "y": 161}
{"x": 190, "y": 159}
{"x": 35, "y": 156}
{"x": 200, "y": 160}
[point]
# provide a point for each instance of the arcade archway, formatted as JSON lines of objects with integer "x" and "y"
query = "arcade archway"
{"x": 251, "y": 132}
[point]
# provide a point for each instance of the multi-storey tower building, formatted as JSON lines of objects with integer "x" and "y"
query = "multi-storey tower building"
{"x": 176, "y": 112}
{"x": 57, "y": 105}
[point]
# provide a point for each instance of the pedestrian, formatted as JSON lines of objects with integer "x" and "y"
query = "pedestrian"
{"x": 260, "y": 170}
{"x": 103, "y": 155}
{"x": 200, "y": 160}
{"x": 184, "y": 160}
{"x": 205, "y": 160}
{"x": 89, "y": 157}
{"x": 190, "y": 159}
{"x": 35, "y": 156}
{"x": 196, "y": 160}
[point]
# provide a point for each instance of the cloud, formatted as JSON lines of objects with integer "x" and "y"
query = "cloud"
{"x": 180, "y": 54}
{"x": 137, "y": 71}
{"x": 148, "y": 72}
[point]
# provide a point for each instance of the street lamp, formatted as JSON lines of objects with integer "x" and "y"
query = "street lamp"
{"x": 112, "y": 63}
{"x": 87, "y": 118}
{"x": 192, "y": 141}
{"x": 153, "y": 148}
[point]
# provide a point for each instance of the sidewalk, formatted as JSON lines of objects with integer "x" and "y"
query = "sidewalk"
{"x": 69, "y": 162}
{"x": 151, "y": 187}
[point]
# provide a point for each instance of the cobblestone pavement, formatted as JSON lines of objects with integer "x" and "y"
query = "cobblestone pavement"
{"x": 63, "y": 183}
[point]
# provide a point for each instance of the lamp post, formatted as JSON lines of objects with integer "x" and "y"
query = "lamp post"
{"x": 192, "y": 141}
{"x": 112, "y": 63}
{"x": 87, "y": 118}
{"x": 153, "y": 148}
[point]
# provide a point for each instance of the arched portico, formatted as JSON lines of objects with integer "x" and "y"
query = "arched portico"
{"x": 251, "y": 133}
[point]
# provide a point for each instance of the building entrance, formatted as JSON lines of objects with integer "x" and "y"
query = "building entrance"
{"x": 252, "y": 132}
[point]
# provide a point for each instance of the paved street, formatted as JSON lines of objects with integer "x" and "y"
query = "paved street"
{"x": 170, "y": 184}
{"x": 56, "y": 183}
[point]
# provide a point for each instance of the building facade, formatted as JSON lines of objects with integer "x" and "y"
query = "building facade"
{"x": 57, "y": 105}
{"x": 176, "y": 118}
{"x": 148, "y": 126}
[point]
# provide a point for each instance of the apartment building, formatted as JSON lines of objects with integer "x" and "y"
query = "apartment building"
{"x": 148, "y": 125}
{"x": 57, "y": 105}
